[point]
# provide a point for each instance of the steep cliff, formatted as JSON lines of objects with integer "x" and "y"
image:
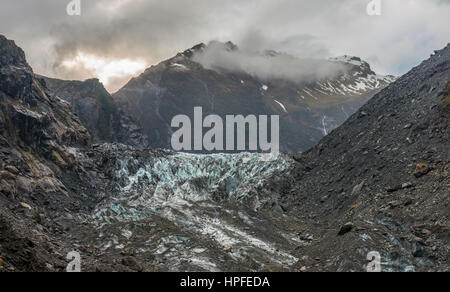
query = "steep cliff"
{"x": 98, "y": 112}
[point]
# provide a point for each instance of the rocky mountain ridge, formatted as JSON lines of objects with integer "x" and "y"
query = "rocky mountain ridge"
{"x": 98, "y": 112}
{"x": 308, "y": 110}
{"x": 40, "y": 139}
{"x": 385, "y": 175}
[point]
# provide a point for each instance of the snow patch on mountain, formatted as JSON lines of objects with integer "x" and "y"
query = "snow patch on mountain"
{"x": 282, "y": 106}
{"x": 179, "y": 66}
{"x": 348, "y": 59}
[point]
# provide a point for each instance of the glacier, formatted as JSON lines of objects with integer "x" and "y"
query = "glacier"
{"x": 191, "y": 212}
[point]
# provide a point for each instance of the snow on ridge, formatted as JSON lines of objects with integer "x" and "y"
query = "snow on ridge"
{"x": 324, "y": 130}
{"x": 348, "y": 59}
{"x": 179, "y": 66}
{"x": 281, "y": 105}
{"x": 352, "y": 86}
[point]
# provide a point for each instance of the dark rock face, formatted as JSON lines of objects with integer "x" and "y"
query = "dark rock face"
{"x": 98, "y": 112}
{"x": 10, "y": 54}
{"x": 308, "y": 110}
{"x": 42, "y": 165}
{"x": 15, "y": 74}
{"x": 446, "y": 104}
{"x": 397, "y": 148}
{"x": 30, "y": 117}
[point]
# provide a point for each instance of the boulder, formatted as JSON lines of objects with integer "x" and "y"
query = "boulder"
{"x": 421, "y": 170}
{"x": 348, "y": 227}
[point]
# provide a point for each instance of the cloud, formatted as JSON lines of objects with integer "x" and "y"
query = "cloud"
{"x": 153, "y": 30}
{"x": 109, "y": 72}
{"x": 265, "y": 65}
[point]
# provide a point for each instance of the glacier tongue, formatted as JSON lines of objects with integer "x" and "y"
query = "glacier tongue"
{"x": 193, "y": 177}
{"x": 198, "y": 212}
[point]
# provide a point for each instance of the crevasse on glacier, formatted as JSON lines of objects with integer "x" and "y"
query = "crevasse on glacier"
{"x": 164, "y": 180}
{"x": 212, "y": 200}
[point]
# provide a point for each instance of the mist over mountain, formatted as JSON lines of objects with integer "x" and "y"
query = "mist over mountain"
{"x": 266, "y": 66}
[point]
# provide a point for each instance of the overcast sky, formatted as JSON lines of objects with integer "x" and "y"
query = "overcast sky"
{"x": 115, "y": 39}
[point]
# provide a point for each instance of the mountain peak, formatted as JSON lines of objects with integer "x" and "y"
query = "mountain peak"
{"x": 222, "y": 79}
{"x": 353, "y": 60}
{"x": 10, "y": 53}
{"x": 190, "y": 52}
{"x": 94, "y": 82}
{"x": 227, "y": 46}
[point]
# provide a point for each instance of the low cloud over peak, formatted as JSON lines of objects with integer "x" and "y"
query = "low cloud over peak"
{"x": 265, "y": 65}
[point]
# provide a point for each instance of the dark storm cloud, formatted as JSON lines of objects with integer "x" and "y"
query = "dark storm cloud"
{"x": 152, "y": 30}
